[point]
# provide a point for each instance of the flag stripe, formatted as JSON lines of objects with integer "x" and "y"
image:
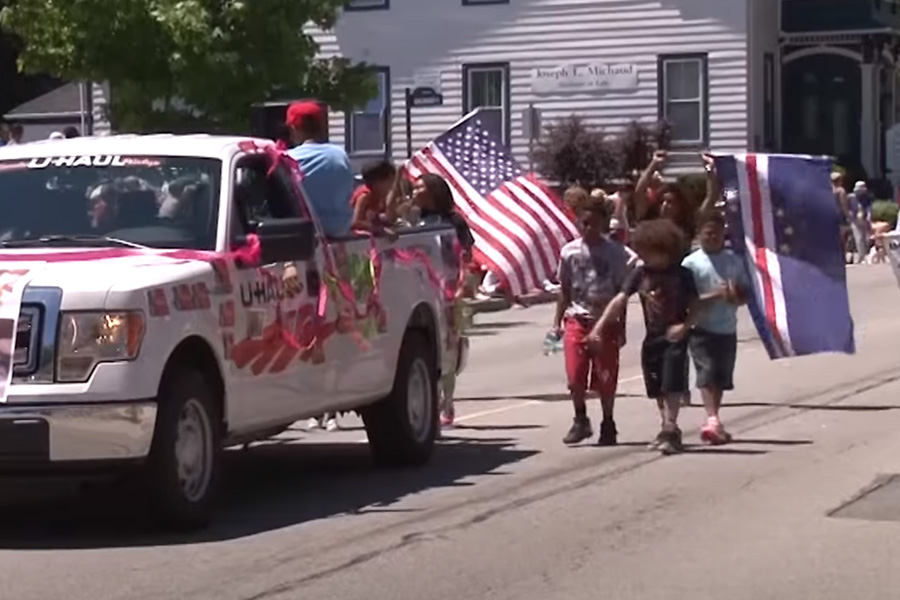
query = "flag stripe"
{"x": 551, "y": 236}
{"x": 774, "y": 265}
{"x": 543, "y": 248}
{"x": 563, "y": 226}
{"x": 759, "y": 242}
{"x": 737, "y": 169}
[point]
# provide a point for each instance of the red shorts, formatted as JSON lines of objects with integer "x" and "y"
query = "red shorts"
{"x": 584, "y": 370}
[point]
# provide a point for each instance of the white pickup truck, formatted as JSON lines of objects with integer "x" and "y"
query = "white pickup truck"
{"x": 165, "y": 297}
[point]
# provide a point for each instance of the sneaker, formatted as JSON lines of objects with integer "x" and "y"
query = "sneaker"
{"x": 332, "y": 425}
{"x": 657, "y": 441}
{"x": 608, "y": 433}
{"x": 313, "y": 424}
{"x": 667, "y": 442}
{"x": 714, "y": 434}
{"x": 447, "y": 418}
{"x": 580, "y": 431}
{"x": 670, "y": 442}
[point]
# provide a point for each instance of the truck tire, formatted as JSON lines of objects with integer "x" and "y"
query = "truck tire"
{"x": 402, "y": 427}
{"x": 184, "y": 465}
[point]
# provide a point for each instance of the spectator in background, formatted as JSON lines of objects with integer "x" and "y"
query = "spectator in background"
{"x": 618, "y": 223}
{"x": 16, "y": 132}
{"x": 327, "y": 175}
{"x": 865, "y": 198}
{"x": 859, "y": 206}
{"x": 56, "y": 135}
{"x": 843, "y": 202}
{"x": 71, "y": 132}
{"x": 4, "y": 134}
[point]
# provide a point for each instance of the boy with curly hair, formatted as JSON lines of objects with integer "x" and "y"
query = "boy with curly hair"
{"x": 670, "y": 302}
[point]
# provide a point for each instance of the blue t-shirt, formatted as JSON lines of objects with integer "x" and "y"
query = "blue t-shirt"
{"x": 712, "y": 271}
{"x": 329, "y": 182}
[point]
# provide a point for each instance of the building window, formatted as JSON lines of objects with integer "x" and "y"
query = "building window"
{"x": 683, "y": 89}
{"x": 486, "y": 86}
{"x": 368, "y": 128}
{"x": 367, "y": 4}
{"x": 768, "y": 101}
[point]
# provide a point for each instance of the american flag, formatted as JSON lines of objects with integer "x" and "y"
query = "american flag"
{"x": 518, "y": 223}
{"x": 784, "y": 221}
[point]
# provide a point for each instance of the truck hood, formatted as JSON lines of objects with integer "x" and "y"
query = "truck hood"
{"x": 88, "y": 275}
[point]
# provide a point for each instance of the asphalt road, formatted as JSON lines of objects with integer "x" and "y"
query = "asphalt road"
{"x": 505, "y": 511}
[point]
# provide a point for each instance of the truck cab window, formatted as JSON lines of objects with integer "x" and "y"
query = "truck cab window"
{"x": 260, "y": 195}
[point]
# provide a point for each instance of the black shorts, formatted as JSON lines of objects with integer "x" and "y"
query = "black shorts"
{"x": 714, "y": 355}
{"x": 665, "y": 367}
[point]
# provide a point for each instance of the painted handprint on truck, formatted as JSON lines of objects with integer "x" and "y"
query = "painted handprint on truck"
{"x": 296, "y": 335}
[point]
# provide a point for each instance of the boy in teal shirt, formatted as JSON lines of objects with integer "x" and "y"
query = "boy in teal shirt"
{"x": 722, "y": 283}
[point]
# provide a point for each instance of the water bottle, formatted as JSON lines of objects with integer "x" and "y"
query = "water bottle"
{"x": 552, "y": 342}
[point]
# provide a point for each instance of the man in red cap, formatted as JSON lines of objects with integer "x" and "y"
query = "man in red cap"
{"x": 327, "y": 175}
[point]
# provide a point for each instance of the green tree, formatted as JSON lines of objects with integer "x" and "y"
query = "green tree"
{"x": 187, "y": 65}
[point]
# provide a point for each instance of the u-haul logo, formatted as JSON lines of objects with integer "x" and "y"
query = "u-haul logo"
{"x": 77, "y": 161}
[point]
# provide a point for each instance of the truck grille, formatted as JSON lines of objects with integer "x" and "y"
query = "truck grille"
{"x": 26, "y": 354}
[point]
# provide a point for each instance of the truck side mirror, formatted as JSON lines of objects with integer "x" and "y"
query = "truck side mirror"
{"x": 283, "y": 240}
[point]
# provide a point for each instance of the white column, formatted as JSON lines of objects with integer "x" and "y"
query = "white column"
{"x": 868, "y": 138}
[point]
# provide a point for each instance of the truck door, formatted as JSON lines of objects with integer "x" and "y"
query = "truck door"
{"x": 276, "y": 378}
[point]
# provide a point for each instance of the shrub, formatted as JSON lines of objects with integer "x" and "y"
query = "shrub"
{"x": 571, "y": 152}
{"x": 885, "y": 210}
{"x": 639, "y": 142}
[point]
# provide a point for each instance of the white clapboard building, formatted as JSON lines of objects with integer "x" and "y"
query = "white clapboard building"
{"x": 813, "y": 76}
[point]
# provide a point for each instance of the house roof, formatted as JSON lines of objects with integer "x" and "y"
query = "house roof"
{"x": 63, "y": 101}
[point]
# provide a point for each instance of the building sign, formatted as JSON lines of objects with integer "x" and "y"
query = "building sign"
{"x": 590, "y": 77}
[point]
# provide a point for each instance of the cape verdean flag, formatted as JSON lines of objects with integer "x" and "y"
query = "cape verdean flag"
{"x": 784, "y": 221}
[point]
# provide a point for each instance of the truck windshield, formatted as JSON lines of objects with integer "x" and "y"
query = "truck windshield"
{"x": 153, "y": 201}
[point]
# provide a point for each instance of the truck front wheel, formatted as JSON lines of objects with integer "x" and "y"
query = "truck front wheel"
{"x": 184, "y": 461}
{"x": 402, "y": 427}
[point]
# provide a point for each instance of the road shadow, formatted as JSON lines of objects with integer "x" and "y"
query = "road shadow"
{"x": 699, "y": 449}
{"x": 497, "y": 325}
{"x": 556, "y": 397}
{"x": 752, "y": 442}
{"x": 464, "y": 426}
{"x": 825, "y": 407}
{"x": 595, "y": 446}
{"x": 481, "y": 332}
{"x": 266, "y": 488}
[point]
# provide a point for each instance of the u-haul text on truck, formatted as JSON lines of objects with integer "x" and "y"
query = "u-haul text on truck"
{"x": 164, "y": 297}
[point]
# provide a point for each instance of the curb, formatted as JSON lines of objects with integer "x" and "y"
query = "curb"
{"x": 488, "y": 305}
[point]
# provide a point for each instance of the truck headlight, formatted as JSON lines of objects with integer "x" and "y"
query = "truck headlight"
{"x": 87, "y": 339}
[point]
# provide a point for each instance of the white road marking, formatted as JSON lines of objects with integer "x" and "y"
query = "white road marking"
{"x": 509, "y": 407}
{"x": 517, "y": 405}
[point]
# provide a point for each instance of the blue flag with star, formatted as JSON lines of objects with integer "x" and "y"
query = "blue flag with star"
{"x": 784, "y": 221}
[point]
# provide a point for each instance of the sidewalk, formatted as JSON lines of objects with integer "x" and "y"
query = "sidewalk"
{"x": 496, "y": 304}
